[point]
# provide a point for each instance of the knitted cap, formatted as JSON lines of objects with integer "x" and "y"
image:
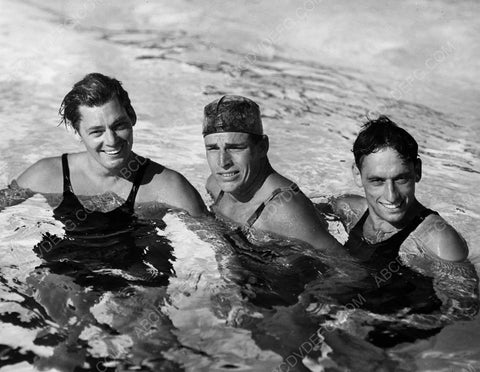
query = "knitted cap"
{"x": 232, "y": 114}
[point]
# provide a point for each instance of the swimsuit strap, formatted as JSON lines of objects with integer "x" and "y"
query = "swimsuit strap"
{"x": 219, "y": 197}
{"x": 253, "y": 218}
{"x": 67, "y": 185}
{"x": 136, "y": 184}
{"x": 359, "y": 225}
{"x": 402, "y": 234}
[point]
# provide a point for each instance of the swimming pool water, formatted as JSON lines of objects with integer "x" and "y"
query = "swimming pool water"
{"x": 316, "y": 75}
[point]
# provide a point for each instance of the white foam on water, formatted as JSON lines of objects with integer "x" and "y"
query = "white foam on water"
{"x": 192, "y": 291}
{"x": 25, "y": 367}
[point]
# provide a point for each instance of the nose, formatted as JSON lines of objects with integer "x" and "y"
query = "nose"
{"x": 110, "y": 137}
{"x": 391, "y": 192}
{"x": 224, "y": 160}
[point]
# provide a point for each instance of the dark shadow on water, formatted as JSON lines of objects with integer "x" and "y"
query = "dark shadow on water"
{"x": 270, "y": 275}
{"x": 139, "y": 256}
{"x": 283, "y": 283}
{"x": 133, "y": 267}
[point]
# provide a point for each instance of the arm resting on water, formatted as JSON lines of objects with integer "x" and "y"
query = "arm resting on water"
{"x": 181, "y": 194}
{"x": 349, "y": 208}
{"x": 13, "y": 195}
{"x": 45, "y": 176}
{"x": 296, "y": 218}
{"x": 440, "y": 240}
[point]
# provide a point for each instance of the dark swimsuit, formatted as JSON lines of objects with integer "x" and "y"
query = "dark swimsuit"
{"x": 395, "y": 286}
{"x": 255, "y": 215}
{"x": 380, "y": 254}
{"x": 81, "y": 221}
{"x": 269, "y": 276}
{"x": 95, "y": 243}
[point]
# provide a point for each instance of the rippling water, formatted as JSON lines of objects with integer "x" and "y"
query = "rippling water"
{"x": 317, "y": 70}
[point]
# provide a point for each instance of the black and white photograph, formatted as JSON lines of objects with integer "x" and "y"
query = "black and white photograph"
{"x": 250, "y": 185}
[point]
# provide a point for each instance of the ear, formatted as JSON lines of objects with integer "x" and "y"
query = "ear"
{"x": 357, "y": 177}
{"x": 418, "y": 170}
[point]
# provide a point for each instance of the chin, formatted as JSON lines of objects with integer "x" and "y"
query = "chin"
{"x": 394, "y": 218}
{"x": 227, "y": 186}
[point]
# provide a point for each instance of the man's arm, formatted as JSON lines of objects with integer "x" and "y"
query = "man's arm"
{"x": 13, "y": 195}
{"x": 295, "y": 217}
{"x": 349, "y": 208}
{"x": 181, "y": 194}
{"x": 45, "y": 176}
{"x": 440, "y": 239}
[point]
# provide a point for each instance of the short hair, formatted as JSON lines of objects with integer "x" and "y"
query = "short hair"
{"x": 94, "y": 89}
{"x": 381, "y": 133}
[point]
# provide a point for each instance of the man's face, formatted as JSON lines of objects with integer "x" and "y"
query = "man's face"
{"x": 107, "y": 133}
{"x": 389, "y": 184}
{"x": 234, "y": 161}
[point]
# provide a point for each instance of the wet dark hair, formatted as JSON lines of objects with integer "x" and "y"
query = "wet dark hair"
{"x": 94, "y": 89}
{"x": 381, "y": 133}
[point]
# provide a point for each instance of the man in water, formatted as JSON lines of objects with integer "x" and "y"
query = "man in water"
{"x": 244, "y": 186}
{"x": 387, "y": 166}
{"x": 405, "y": 246}
{"x": 102, "y": 116}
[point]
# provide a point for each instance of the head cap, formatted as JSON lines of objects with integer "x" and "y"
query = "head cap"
{"x": 232, "y": 114}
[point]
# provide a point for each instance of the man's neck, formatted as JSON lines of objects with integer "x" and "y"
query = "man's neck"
{"x": 250, "y": 191}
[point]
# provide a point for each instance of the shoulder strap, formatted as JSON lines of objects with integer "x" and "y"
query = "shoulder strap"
{"x": 219, "y": 197}
{"x": 398, "y": 238}
{"x": 358, "y": 227}
{"x": 67, "y": 185}
{"x": 417, "y": 221}
{"x": 255, "y": 215}
{"x": 136, "y": 184}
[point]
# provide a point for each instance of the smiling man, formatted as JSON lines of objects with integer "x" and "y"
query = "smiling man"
{"x": 387, "y": 167}
{"x": 244, "y": 186}
{"x": 99, "y": 111}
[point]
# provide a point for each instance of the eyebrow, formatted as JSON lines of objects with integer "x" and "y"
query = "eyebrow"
{"x": 401, "y": 175}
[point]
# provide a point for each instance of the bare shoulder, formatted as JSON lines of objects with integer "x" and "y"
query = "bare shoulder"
{"x": 290, "y": 213}
{"x": 349, "y": 208}
{"x": 172, "y": 188}
{"x": 438, "y": 237}
{"x": 45, "y": 176}
{"x": 212, "y": 187}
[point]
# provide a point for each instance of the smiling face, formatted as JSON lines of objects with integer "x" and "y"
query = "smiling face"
{"x": 107, "y": 133}
{"x": 389, "y": 184}
{"x": 234, "y": 160}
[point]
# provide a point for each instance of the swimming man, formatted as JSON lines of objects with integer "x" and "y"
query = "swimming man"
{"x": 244, "y": 186}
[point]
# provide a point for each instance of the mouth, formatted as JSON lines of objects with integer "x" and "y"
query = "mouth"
{"x": 228, "y": 175}
{"x": 393, "y": 206}
{"x": 113, "y": 152}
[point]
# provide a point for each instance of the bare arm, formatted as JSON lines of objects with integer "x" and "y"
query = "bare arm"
{"x": 296, "y": 218}
{"x": 13, "y": 195}
{"x": 349, "y": 208}
{"x": 44, "y": 176}
{"x": 181, "y": 194}
{"x": 441, "y": 240}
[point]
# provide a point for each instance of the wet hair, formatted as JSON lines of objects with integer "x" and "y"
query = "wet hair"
{"x": 93, "y": 90}
{"x": 381, "y": 133}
